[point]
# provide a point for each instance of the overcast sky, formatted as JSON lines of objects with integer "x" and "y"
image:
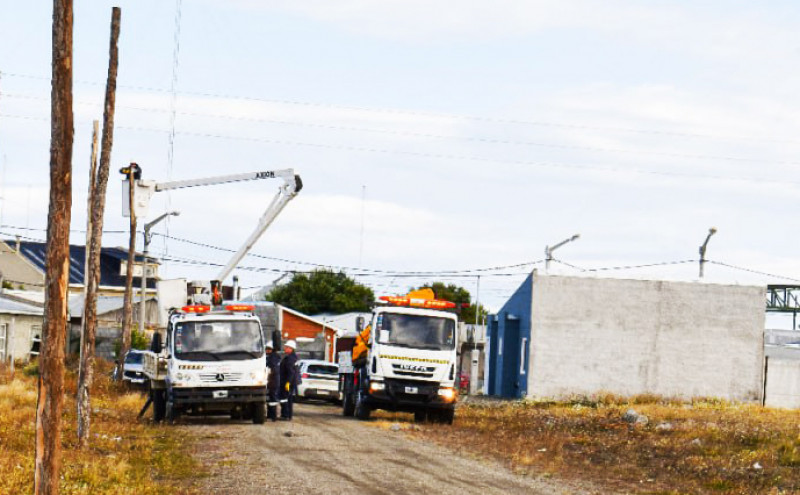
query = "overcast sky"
{"x": 467, "y": 135}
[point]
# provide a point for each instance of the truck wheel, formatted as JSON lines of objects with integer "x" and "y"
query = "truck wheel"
{"x": 420, "y": 416}
{"x": 159, "y": 404}
{"x": 362, "y": 409}
{"x": 446, "y": 416}
{"x": 171, "y": 414}
{"x": 348, "y": 406}
{"x": 259, "y": 413}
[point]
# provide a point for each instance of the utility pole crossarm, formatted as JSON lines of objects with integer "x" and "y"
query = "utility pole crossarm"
{"x": 286, "y": 174}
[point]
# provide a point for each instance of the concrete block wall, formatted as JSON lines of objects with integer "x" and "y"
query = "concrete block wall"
{"x": 783, "y": 383}
{"x": 629, "y": 337}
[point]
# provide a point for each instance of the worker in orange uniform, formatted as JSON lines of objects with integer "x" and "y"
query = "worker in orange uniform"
{"x": 361, "y": 347}
{"x": 288, "y": 379}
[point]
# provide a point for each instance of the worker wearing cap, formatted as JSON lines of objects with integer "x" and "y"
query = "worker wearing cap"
{"x": 288, "y": 379}
{"x": 273, "y": 381}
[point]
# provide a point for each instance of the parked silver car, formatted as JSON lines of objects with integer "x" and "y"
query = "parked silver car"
{"x": 318, "y": 379}
{"x": 133, "y": 368}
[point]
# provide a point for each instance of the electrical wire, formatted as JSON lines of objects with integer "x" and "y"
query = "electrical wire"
{"x": 394, "y": 111}
{"x": 392, "y": 132}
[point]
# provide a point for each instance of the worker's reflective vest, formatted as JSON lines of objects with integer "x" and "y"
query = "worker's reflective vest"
{"x": 362, "y": 346}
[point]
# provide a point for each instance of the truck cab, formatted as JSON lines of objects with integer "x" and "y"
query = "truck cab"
{"x": 211, "y": 363}
{"x": 410, "y": 365}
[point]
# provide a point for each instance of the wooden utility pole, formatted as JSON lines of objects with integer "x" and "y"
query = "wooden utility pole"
{"x": 127, "y": 310}
{"x": 86, "y": 366}
{"x": 47, "y": 462}
{"x": 94, "y": 235}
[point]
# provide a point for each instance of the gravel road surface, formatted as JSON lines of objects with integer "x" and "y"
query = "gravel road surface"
{"x": 321, "y": 452}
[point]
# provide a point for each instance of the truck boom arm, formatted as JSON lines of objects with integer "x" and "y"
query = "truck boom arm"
{"x": 291, "y": 186}
{"x": 288, "y": 191}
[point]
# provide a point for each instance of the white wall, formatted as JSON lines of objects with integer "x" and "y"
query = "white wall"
{"x": 629, "y": 337}
{"x": 783, "y": 383}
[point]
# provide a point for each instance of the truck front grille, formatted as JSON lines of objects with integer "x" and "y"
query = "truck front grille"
{"x": 220, "y": 377}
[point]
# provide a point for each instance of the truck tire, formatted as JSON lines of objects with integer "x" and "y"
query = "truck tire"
{"x": 446, "y": 416}
{"x": 348, "y": 405}
{"x": 362, "y": 409}
{"x": 171, "y": 414}
{"x": 259, "y": 413}
{"x": 159, "y": 404}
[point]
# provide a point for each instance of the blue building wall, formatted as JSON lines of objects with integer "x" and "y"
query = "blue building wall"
{"x": 509, "y": 344}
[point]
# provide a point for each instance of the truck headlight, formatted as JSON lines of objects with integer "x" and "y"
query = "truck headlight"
{"x": 260, "y": 376}
{"x": 447, "y": 394}
{"x": 376, "y": 386}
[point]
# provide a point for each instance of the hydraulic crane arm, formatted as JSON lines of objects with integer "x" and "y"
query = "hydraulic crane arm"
{"x": 291, "y": 186}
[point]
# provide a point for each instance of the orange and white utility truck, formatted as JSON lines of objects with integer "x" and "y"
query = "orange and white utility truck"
{"x": 403, "y": 360}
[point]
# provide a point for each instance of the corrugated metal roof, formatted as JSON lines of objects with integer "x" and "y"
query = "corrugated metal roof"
{"x": 8, "y": 306}
{"x": 105, "y": 304}
{"x": 110, "y": 262}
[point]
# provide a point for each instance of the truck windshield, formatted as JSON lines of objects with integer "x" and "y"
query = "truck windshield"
{"x": 420, "y": 332}
{"x": 218, "y": 340}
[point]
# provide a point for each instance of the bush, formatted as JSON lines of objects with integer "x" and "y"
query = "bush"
{"x": 138, "y": 341}
{"x": 31, "y": 369}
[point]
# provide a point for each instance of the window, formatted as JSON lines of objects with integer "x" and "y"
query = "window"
{"x": 36, "y": 340}
{"x": 322, "y": 369}
{"x": 3, "y": 342}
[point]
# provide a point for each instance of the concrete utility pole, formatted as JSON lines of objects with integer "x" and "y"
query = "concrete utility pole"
{"x": 711, "y": 232}
{"x": 147, "y": 238}
{"x": 94, "y": 236}
{"x": 548, "y": 250}
{"x": 47, "y": 457}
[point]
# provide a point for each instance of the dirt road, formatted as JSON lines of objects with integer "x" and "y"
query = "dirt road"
{"x": 321, "y": 452}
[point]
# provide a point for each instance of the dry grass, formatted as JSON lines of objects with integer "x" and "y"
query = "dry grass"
{"x": 702, "y": 447}
{"x": 126, "y": 455}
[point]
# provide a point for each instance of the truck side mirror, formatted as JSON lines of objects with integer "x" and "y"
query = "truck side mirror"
{"x": 155, "y": 344}
{"x": 359, "y": 324}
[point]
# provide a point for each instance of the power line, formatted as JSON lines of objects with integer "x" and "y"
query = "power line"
{"x": 457, "y": 157}
{"x": 749, "y": 270}
{"x": 392, "y": 132}
{"x": 356, "y": 269}
{"x": 394, "y": 111}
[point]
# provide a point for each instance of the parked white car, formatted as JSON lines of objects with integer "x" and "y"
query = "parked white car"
{"x": 318, "y": 379}
{"x": 133, "y": 368}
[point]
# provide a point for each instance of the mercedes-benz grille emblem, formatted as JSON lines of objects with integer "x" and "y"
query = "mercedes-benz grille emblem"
{"x": 220, "y": 377}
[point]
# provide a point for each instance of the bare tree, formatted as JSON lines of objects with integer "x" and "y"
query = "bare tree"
{"x": 98, "y": 180}
{"x": 51, "y": 357}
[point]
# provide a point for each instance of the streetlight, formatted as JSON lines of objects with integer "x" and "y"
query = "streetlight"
{"x": 548, "y": 250}
{"x": 711, "y": 232}
{"x": 147, "y": 238}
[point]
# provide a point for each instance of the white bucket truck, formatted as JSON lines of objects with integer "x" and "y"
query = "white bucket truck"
{"x": 212, "y": 359}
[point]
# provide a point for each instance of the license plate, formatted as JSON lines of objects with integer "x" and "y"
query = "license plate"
{"x": 219, "y": 394}
{"x": 412, "y": 390}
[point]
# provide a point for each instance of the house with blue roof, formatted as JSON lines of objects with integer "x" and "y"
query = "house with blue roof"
{"x": 22, "y": 266}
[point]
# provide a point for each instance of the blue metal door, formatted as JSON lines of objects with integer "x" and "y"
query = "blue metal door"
{"x": 511, "y": 354}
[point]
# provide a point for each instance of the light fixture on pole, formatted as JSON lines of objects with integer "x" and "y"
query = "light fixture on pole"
{"x": 711, "y": 232}
{"x": 147, "y": 238}
{"x": 548, "y": 250}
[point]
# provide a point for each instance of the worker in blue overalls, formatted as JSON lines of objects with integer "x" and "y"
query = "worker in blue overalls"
{"x": 288, "y": 379}
{"x": 273, "y": 382}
